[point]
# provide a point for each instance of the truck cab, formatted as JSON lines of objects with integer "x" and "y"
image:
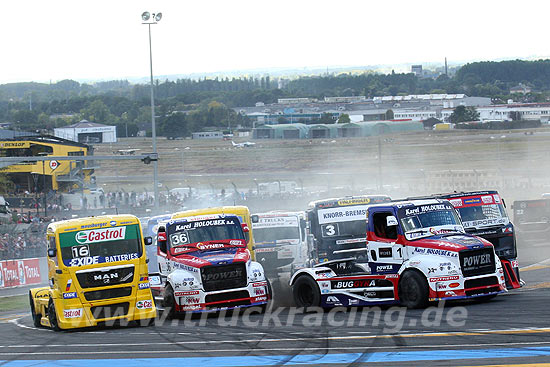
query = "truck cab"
{"x": 428, "y": 237}
{"x": 337, "y": 225}
{"x": 416, "y": 251}
{"x": 97, "y": 272}
{"x": 280, "y": 242}
{"x": 205, "y": 265}
{"x": 483, "y": 214}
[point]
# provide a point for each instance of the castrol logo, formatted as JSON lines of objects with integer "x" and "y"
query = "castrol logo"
{"x": 101, "y": 235}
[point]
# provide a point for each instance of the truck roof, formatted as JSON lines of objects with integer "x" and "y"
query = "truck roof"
{"x": 92, "y": 222}
{"x": 413, "y": 202}
{"x": 228, "y": 210}
{"x": 455, "y": 194}
{"x": 349, "y": 200}
{"x": 280, "y": 213}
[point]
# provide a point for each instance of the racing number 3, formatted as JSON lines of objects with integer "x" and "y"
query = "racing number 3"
{"x": 330, "y": 230}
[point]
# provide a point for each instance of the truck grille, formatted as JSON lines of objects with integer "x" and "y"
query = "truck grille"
{"x": 104, "y": 277}
{"x": 228, "y": 296}
{"x": 477, "y": 262}
{"x": 108, "y": 293}
{"x": 220, "y": 277}
{"x": 114, "y": 310}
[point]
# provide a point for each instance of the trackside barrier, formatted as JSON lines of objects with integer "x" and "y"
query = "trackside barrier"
{"x": 16, "y": 273}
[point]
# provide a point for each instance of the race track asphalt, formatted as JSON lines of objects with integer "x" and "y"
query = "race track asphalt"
{"x": 511, "y": 329}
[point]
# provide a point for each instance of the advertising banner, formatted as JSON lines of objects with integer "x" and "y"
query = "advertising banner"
{"x": 14, "y": 273}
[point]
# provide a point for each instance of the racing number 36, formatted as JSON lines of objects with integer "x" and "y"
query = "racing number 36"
{"x": 178, "y": 238}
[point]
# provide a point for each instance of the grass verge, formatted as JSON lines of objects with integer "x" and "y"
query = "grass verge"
{"x": 12, "y": 303}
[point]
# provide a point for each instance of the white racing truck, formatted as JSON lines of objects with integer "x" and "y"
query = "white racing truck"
{"x": 280, "y": 242}
{"x": 205, "y": 266}
{"x": 417, "y": 251}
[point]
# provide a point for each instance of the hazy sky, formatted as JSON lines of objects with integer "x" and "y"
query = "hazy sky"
{"x": 61, "y": 39}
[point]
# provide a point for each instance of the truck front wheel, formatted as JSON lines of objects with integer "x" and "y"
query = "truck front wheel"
{"x": 35, "y": 316}
{"x": 52, "y": 316}
{"x": 169, "y": 302}
{"x": 306, "y": 292}
{"x": 413, "y": 290}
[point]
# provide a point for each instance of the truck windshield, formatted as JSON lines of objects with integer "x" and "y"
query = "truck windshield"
{"x": 180, "y": 234}
{"x": 438, "y": 219}
{"x": 100, "y": 245}
{"x": 272, "y": 234}
{"x": 482, "y": 212}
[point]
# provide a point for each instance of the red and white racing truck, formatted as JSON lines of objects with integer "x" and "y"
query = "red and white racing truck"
{"x": 205, "y": 265}
{"x": 417, "y": 251}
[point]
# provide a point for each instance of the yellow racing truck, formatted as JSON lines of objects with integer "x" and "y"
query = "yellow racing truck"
{"x": 97, "y": 271}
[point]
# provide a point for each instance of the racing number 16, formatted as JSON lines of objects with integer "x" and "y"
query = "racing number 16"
{"x": 80, "y": 251}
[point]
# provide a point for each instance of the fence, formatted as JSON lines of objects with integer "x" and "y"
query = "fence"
{"x": 23, "y": 240}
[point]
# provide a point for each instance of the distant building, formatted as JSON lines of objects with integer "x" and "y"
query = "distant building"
{"x": 414, "y": 115}
{"x": 87, "y": 132}
{"x": 207, "y": 135}
{"x": 521, "y": 88}
{"x": 416, "y": 70}
{"x": 350, "y": 99}
{"x": 295, "y": 100}
{"x": 62, "y": 175}
{"x": 523, "y": 111}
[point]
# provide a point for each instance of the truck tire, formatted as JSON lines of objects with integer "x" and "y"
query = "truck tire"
{"x": 413, "y": 290}
{"x": 52, "y": 316}
{"x": 264, "y": 308}
{"x": 306, "y": 292}
{"x": 169, "y": 302}
{"x": 35, "y": 316}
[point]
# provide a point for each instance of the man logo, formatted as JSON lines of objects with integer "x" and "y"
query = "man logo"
{"x": 106, "y": 277}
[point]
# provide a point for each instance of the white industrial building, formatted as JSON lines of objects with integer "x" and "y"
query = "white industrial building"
{"x": 87, "y": 132}
{"x": 526, "y": 111}
{"x": 415, "y": 115}
{"x": 443, "y": 100}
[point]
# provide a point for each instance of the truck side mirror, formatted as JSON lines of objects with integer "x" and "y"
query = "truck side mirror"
{"x": 255, "y": 219}
{"x": 52, "y": 252}
{"x": 148, "y": 241}
{"x": 391, "y": 221}
{"x": 161, "y": 240}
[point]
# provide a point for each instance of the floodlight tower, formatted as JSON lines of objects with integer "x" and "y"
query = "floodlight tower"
{"x": 150, "y": 19}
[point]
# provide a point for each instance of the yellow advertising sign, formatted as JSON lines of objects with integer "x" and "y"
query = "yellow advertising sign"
{"x": 353, "y": 201}
{"x": 15, "y": 144}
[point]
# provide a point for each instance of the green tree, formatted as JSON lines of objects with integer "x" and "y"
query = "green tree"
{"x": 175, "y": 125}
{"x": 6, "y": 184}
{"x": 97, "y": 111}
{"x": 464, "y": 114}
{"x": 344, "y": 119}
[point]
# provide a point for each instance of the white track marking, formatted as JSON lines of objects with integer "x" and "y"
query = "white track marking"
{"x": 278, "y": 340}
{"x": 256, "y": 349}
